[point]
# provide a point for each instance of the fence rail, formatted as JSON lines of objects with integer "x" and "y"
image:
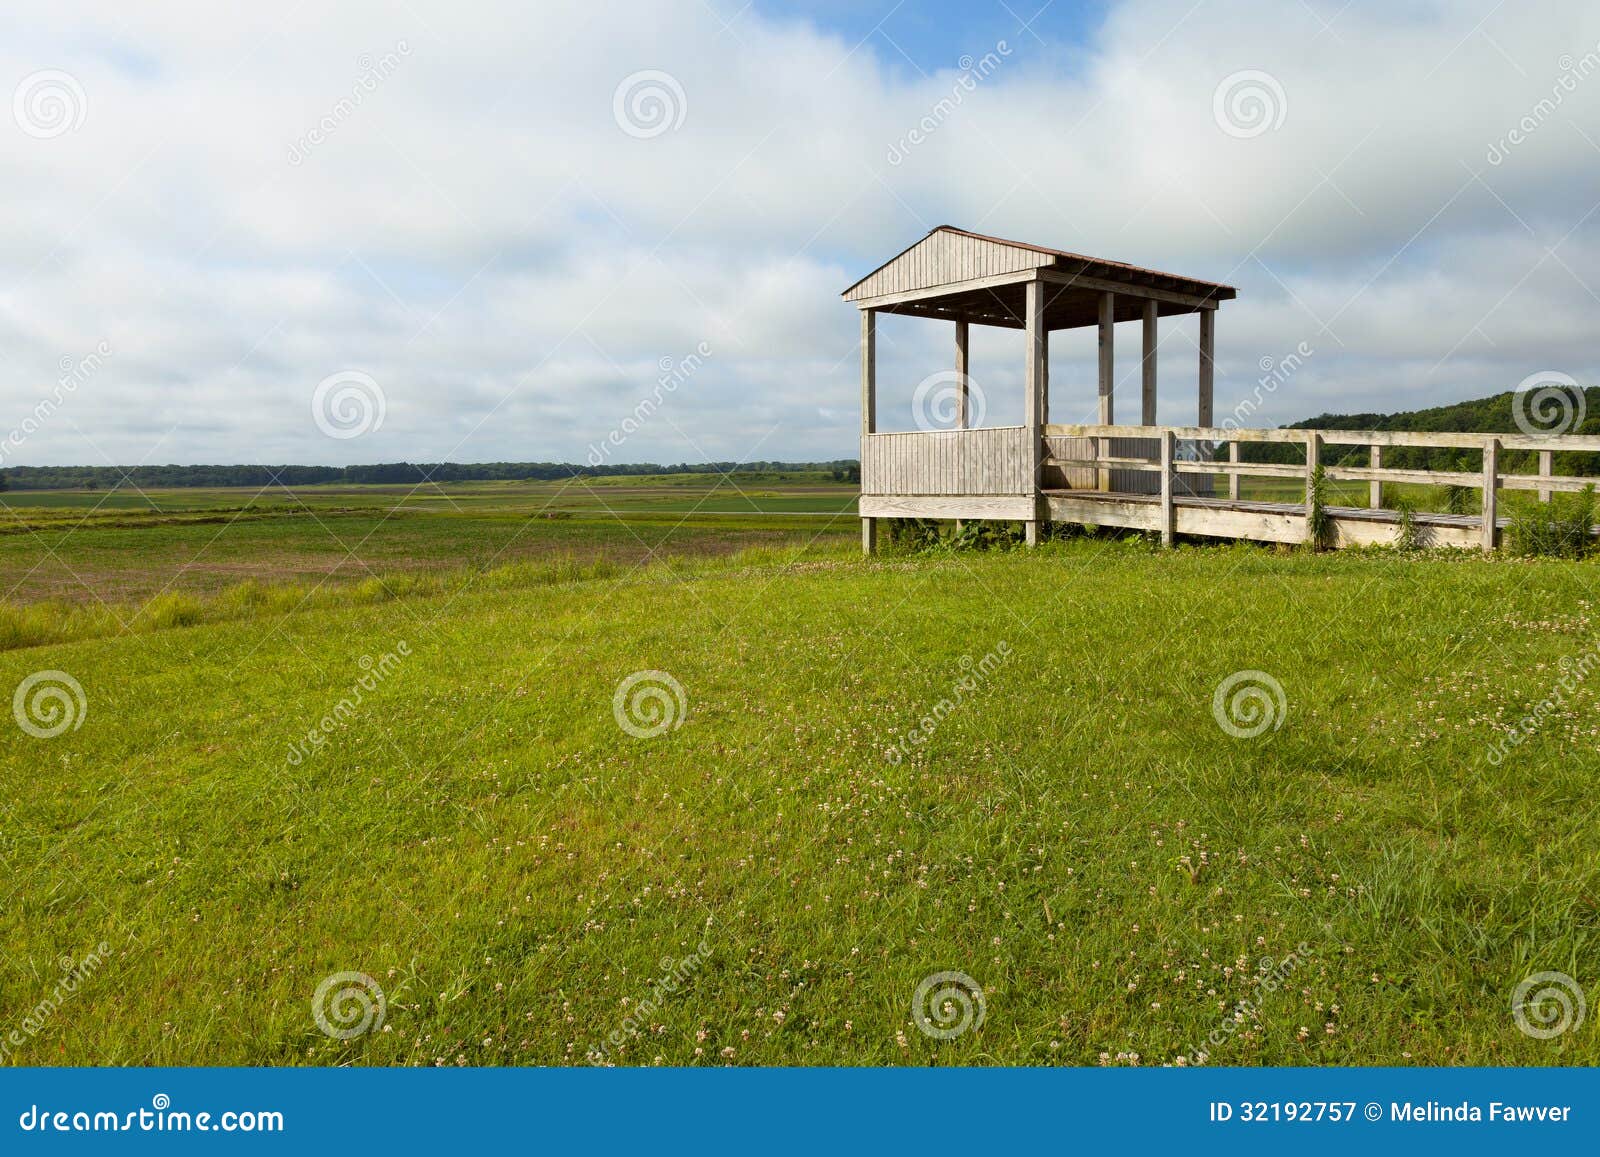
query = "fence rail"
{"x": 1586, "y": 443}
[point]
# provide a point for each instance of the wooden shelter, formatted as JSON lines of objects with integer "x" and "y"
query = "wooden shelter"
{"x": 1142, "y": 476}
{"x": 967, "y": 278}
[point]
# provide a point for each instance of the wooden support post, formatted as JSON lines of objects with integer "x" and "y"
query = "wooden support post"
{"x": 1375, "y": 488}
{"x": 1233, "y": 477}
{"x": 1033, "y": 410}
{"x": 1313, "y": 458}
{"x": 1491, "y": 483}
{"x": 869, "y": 411}
{"x": 1547, "y": 467}
{"x": 1147, "y": 416}
{"x": 961, "y": 374}
{"x": 962, "y": 381}
{"x": 1168, "y": 522}
{"x": 1108, "y": 319}
{"x": 1044, "y": 379}
{"x": 1208, "y": 365}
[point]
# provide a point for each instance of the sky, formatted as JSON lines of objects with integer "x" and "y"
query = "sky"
{"x": 407, "y": 230}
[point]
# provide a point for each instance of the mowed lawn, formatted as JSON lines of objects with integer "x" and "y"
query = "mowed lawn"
{"x": 769, "y": 880}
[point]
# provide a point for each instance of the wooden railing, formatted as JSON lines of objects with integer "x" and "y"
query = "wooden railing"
{"x": 1166, "y": 463}
{"x": 995, "y": 460}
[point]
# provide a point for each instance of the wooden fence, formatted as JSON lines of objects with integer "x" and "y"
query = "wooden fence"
{"x": 1169, "y": 468}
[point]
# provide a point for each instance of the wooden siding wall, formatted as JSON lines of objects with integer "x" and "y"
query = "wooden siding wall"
{"x": 943, "y": 258}
{"x": 948, "y": 462}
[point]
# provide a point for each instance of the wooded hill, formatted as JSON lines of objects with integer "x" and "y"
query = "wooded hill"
{"x": 1545, "y": 410}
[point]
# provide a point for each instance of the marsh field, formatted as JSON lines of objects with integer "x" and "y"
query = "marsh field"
{"x": 661, "y": 771}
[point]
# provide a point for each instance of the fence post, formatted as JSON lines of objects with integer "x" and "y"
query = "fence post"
{"x": 1167, "y": 520}
{"x": 1375, "y": 488}
{"x": 1491, "y": 480}
{"x": 1233, "y": 475}
{"x": 1313, "y": 458}
{"x": 1547, "y": 467}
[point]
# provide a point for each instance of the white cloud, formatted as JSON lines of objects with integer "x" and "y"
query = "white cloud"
{"x": 476, "y": 232}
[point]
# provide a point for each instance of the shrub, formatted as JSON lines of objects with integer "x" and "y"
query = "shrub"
{"x": 1319, "y": 523}
{"x": 1408, "y": 537}
{"x": 1560, "y": 528}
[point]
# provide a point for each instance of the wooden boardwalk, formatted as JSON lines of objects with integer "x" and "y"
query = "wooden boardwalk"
{"x": 1261, "y": 521}
{"x": 1186, "y": 479}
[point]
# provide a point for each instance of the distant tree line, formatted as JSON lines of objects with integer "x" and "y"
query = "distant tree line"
{"x": 1551, "y": 411}
{"x": 403, "y": 473}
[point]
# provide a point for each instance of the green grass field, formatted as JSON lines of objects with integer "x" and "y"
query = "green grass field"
{"x": 1005, "y": 765}
{"x": 76, "y": 546}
